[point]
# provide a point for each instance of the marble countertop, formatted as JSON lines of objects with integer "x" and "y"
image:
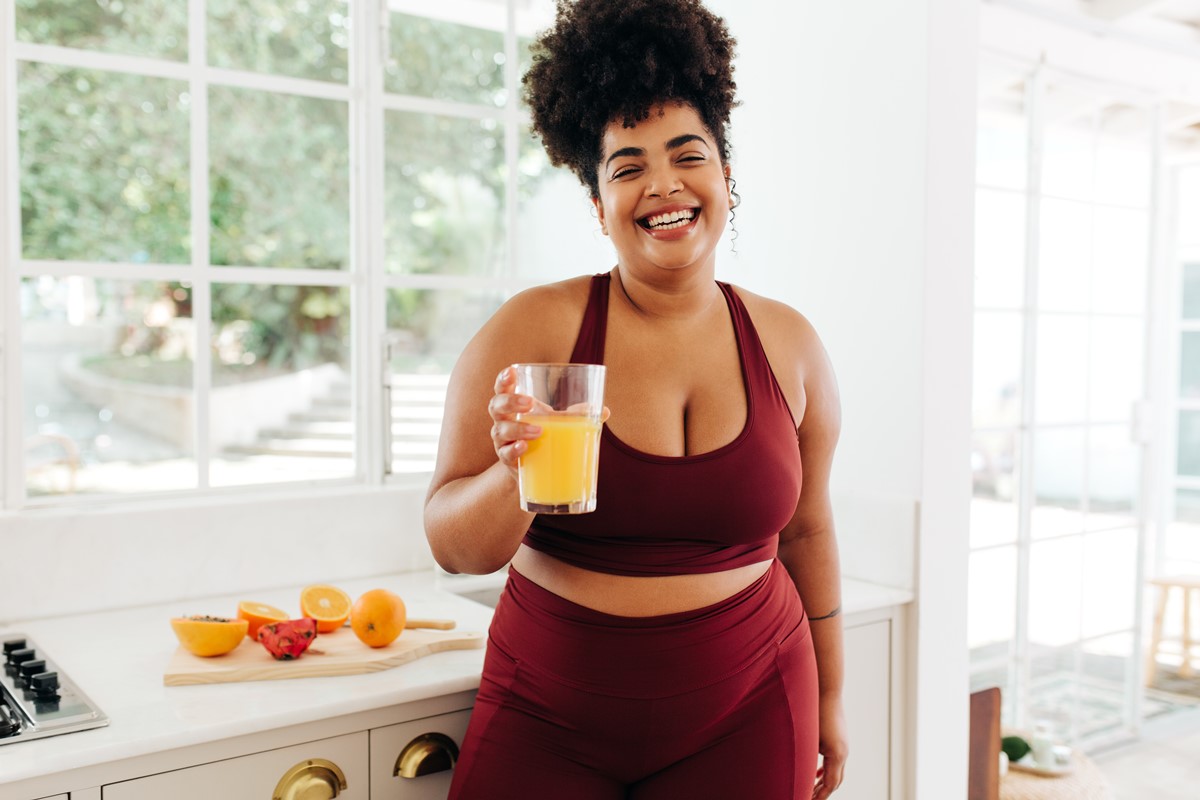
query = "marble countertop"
{"x": 117, "y": 658}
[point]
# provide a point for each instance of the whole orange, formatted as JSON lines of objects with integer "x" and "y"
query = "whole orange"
{"x": 378, "y": 617}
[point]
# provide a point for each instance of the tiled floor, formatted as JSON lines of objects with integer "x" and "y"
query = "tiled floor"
{"x": 1163, "y": 765}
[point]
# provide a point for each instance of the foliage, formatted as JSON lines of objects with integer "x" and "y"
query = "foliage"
{"x": 106, "y": 173}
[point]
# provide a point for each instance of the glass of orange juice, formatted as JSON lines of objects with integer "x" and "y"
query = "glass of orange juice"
{"x": 557, "y": 474}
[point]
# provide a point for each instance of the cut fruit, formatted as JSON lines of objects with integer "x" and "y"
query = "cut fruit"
{"x": 378, "y": 617}
{"x": 289, "y": 639}
{"x": 259, "y": 614}
{"x": 209, "y": 636}
{"x": 328, "y": 605}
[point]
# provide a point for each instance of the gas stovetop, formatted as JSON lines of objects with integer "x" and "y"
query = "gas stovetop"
{"x": 36, "y": 698}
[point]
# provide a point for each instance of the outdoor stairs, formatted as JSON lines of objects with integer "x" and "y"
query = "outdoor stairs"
{"x": 326, "y": 428}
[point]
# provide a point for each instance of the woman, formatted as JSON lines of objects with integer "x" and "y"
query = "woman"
{"x": 657, "y": 647}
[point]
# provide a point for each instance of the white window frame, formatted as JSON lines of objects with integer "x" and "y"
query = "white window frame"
{"x": 365, "y": 279}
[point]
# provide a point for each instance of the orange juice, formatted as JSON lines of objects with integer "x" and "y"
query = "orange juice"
{"x": 558, "y": 471}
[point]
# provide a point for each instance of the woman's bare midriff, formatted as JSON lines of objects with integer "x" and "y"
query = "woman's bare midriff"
{"x": 627, "y": 596}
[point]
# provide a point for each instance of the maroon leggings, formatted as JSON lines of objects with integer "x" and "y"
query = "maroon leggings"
{"x": 719, "y": 702}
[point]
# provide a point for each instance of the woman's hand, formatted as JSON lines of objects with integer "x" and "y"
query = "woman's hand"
{"x": 833, "y": 747}
{"x": 510, "y": 437}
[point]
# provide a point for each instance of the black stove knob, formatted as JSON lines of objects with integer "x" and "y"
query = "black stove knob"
{"x": 18, "y": 657}
{"x": 13, "y": 644}
{"x": 28, "y": 669}
{"x": 21, "y": 655}
{"x": 44, "y": 683}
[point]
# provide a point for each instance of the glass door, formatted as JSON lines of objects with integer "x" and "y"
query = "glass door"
{"x": 1063, "y": 247}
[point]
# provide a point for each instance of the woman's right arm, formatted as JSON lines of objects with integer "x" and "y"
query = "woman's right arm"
{"x": 473, "y": 518}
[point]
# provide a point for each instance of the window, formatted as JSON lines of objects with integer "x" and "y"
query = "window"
{"x": 254, "y": 235}
{"x": 1063, "y": 234}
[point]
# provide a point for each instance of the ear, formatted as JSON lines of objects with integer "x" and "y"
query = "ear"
{"x": 729, "y": 184}
{"x": 600, "y": 214}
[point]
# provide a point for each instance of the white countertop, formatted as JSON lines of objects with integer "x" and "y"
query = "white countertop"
{"x": 117, "y": 658}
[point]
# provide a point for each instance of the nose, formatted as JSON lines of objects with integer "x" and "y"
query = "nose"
{"x": 663, "y": 183}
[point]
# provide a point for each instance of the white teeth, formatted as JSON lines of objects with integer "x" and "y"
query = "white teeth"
{"x": 674, "y": 219}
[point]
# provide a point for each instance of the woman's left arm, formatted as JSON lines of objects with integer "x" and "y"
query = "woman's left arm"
{"x": 808, "y": 549}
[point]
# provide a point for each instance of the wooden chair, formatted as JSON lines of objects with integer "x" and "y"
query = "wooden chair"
{"x": 983, "y": 776}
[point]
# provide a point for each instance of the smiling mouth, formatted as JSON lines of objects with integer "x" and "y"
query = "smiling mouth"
{"x": 669, "y": 221}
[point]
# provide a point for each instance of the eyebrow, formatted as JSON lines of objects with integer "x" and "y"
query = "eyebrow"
{"x": 672, "y": 144}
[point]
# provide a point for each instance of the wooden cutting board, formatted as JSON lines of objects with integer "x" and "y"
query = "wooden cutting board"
{"x": 341, "y": 653}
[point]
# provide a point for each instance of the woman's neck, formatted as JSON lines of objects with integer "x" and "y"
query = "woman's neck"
{"x": 682, "y": 297}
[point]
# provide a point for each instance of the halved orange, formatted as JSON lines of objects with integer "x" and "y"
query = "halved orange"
{"x": 259, "y": 614}
{"x": 328, "y": 605}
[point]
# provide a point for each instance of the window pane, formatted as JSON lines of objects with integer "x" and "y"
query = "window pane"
{"x": 444, "y": 182}
{"x": 446, "y": 60}
{"x": 994, "y": 504}
{"x": 427, "y": 330}
{"x": 1117, "y": 367}
{"x": 1189, "y": 443}
{"x": 1188, "y": 215}
{"x": 1055, "y": 591}
{"x": 1123, "y": 156}
{"x": 996, "y": 396}
{"x": 1121, "y": 251}
{"x": 1054, "y": 690}
{"x": 999, "y": 249}
{"x": 1189, "y": 364}
{"x": 555, "y": 217}
{"x": 1106, "y": 665}
{"x": 1114, "y": 476}
{"x": 1067, "y": 146}
{"x": 1064, "y": 260}
{"x": 107, "y": 371}
{"x": 1062, "y": 368}
{"x": 156, "y": 28}
{"x": 1058, "y": 474}
{"x": 298, "y": 38}
{"x": 104, "y": 166}
{"x": 992, "y": 601}
{"x": 1000, "y": 152}
{"x": 280, "y": 405}
{"x": 532, "y": 17}
{"x": 1191, "y": 291}
{"x": 1109, "y": 581}
{"x": 279, "y": 180}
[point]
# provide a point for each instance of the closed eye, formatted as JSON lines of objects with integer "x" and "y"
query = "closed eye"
{"x": 624, "y": 172}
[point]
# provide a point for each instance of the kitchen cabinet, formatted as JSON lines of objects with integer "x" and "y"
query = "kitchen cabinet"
{"x": 413, "y": 760}
{"x": 338, "y": 765}
{"x": 407, "y": 761}
{"x": 868, "y": 705}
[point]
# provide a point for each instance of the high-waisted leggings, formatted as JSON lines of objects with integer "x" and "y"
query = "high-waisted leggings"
{"x": 719, "y": 703}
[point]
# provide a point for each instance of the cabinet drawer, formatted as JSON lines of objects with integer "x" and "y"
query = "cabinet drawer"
{"x": 426, "y": 736}
{"x": 255, "y": 777}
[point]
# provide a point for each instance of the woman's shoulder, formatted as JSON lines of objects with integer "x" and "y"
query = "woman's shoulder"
{"x": 540, "y": 320}
{"x": 776, "y": 320}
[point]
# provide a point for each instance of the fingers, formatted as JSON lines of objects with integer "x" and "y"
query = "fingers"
{"x": 829, "y": 777}
{"x": 510, "y": 436}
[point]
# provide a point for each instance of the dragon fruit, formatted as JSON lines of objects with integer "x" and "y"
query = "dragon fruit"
{"x": 289, "y": 639}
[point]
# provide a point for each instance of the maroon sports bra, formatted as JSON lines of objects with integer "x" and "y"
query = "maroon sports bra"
{"x": 683, "y": 515}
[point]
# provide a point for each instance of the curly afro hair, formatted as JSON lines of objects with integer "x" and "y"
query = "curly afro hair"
{"x": 604, "y": 60}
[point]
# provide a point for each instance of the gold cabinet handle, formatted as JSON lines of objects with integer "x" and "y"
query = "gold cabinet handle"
{"x": 312, "y": 779}
{"x": 425, "y": 755}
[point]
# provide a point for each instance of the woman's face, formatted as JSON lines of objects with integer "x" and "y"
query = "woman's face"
{"x": 664, "y": 195}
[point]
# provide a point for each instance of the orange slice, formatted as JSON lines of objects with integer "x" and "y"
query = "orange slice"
{"x": 259, "y": 614}
{"x": 208, "y": 636}
{"x": 328, "y": 605}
